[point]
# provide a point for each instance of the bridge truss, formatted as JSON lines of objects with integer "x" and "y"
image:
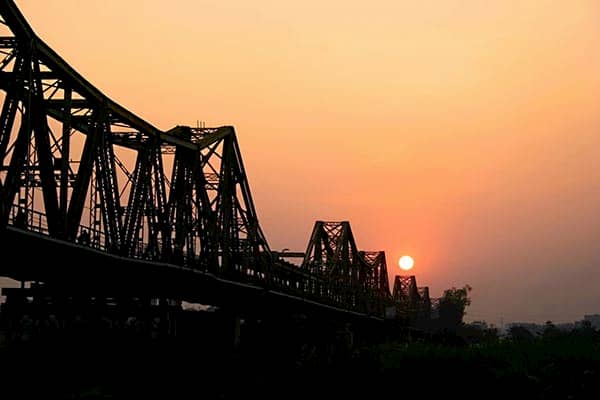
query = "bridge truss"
{"x": 77, "y": 167}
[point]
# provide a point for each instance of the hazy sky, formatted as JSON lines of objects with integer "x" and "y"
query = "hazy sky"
{"x": 464, "y": 133}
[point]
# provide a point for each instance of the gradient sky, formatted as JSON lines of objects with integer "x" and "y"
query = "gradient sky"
{"x": 465, "y": 133}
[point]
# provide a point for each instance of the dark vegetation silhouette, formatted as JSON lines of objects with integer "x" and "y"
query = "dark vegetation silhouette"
{"x": 93, "y": 355}
{"x": 520, "y": 334}
{"x": 452, "y": 308}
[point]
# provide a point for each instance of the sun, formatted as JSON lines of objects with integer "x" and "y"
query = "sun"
{"x": 406, "y": 262}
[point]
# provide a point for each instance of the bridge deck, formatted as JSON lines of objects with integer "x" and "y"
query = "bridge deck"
{"x": 80, "y": 269}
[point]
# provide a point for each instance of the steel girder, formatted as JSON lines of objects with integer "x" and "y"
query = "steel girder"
{"x": 184, "y": 198}
{"x": 411, "y": 301}
{"x": 342, "y": 274}
{"x": 374, "y": 280}
{"x": 202, "y": 217}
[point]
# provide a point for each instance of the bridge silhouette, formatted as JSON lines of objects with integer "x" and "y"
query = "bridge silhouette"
{"x": 97, "y": 201}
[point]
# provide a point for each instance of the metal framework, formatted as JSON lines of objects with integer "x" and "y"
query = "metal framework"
{"x": 200, "y": 215}
{"x": 411, "y": 301}
{"x": 375, "y": 275}
{"x": 342, "y": 274}
{"x": 77, "y": 167}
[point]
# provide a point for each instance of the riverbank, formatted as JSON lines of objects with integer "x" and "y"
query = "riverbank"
{"x": 557, "y": 368}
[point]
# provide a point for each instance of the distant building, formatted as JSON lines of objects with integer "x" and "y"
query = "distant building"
{"x": 535, "y": 329}
{"x": 594, "y": 319}
{"x": 568, "y": 326}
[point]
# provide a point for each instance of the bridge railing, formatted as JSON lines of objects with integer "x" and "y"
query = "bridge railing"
{"x": 31, "y": 220}
{"x": 279, "y": 275}
{"x": 36, "y": 221}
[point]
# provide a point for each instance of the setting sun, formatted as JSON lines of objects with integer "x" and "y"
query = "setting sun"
{"x": 406, "y": 262}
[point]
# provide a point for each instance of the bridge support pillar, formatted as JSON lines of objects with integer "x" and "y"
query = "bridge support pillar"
{"x": 237, "y": 331}
{"x": 229, "y": 330}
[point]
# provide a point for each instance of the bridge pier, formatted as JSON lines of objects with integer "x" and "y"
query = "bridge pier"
{"x": 32, "y": 312}
{"x": 234, "y": 326}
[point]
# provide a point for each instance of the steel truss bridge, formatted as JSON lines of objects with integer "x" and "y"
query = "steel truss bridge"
{"x": 95, "y": 199}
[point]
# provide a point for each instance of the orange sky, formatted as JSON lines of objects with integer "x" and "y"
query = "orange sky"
{"x": 463, "y": 132}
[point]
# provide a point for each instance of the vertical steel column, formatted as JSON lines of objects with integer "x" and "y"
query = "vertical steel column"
{"x": 44, "y": 153}
{"x": 66, "y": 152}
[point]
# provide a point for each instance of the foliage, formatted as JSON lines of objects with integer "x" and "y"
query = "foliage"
{"x": 519, "y": 333}
{"x": 562, "y": 367}
{"x": 479, "y": 332}
{"x": 550, "y": 330}
{"x": 452, "y": 307}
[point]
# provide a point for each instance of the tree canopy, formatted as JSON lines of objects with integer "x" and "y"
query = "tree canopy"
{"x": 452, "y": 306}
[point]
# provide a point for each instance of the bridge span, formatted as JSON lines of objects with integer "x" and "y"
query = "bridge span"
{"x": 96, "y": 200}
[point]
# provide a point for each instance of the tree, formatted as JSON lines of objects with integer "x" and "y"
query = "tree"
{"x": 550, "y": 330}
{"x": 518, "y": 333}
{"x": 452, "y": 307}
{"x": 479, "y": 332}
